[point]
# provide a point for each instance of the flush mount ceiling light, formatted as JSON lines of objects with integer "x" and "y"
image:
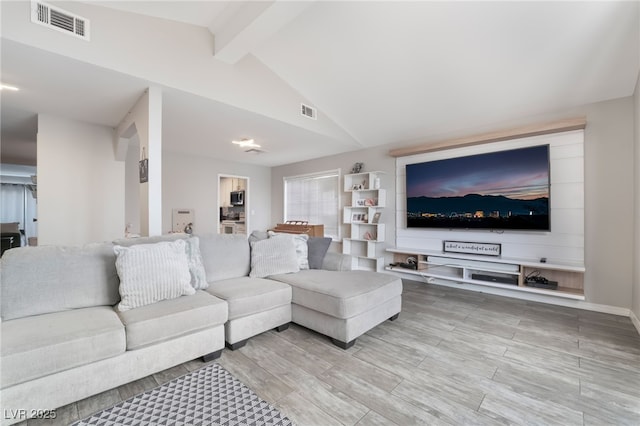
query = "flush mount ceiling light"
{"x": 246, "y": 143}
{"x": 8, "y": 87}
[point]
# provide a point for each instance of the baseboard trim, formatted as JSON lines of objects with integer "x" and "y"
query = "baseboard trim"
{"x": 635, "y": 320}
{"x": 607, "y": 309}
{"x": 534, "y": 297}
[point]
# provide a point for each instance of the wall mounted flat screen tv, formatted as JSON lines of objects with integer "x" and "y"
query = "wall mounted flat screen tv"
{"x": 499, "y": 190}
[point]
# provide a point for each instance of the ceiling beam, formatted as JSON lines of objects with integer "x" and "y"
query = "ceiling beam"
{"x": 241, "y": 28}
{"x": 495, "y": 136}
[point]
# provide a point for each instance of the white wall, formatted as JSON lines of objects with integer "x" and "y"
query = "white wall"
{"x": 192, "y": 182}
{"x": 81, "y": 187}
{"x": 609, "y": 202}
{"x": 80, "y": 184}
{"x": 609, "y": 217}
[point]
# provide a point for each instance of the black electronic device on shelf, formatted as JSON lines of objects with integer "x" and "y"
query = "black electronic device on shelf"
{"x": 404, "y": 265}
{"x": 536, "y": 280}
{"x": 411, "y": 263}
{"x": 502, "y": 279}
{"x": 407, "y": 265}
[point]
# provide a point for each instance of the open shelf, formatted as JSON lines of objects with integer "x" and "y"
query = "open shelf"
{"x": 363, "y": 215}
{"x": 497, "y": 272}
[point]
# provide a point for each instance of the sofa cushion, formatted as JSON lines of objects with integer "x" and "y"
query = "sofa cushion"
{"x": 341, "y": 294}
{"x": 152, "y": 272}
{"x": 273, "y": 256}
{"x": 196, "y": 267}
{"x": 247, "y": 296}
{"x": 225, "y": 256}
{"x": 173, "y": 318}
{"x": 316, "y": 250}
{"x": 39, "y": 345}
{"x": 44, "y": 279}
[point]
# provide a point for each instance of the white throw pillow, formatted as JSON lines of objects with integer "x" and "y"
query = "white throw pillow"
{"x": 273, "y": 256}
{"x": 150, "y": 273}
{"x": 300, "y": 243}
{"x": 196, "y": 268}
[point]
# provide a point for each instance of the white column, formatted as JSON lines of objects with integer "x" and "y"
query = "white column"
{"x": 145, "y": 121}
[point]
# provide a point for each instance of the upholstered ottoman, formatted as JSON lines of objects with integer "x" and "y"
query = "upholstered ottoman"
{"x": 342, "y": 304}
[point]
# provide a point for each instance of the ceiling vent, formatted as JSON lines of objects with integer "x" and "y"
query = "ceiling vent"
{"x": 309, "y": 112}
{"x": 59, "y": 20}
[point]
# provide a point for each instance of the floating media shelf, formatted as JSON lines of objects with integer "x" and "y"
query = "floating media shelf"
{"x": 499, "y": 272}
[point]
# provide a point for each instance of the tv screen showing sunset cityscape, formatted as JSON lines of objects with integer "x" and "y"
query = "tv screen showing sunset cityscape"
{"x": 497, "y": 190}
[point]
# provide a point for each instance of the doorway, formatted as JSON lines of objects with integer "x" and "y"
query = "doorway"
{"x": 18, "y": 205}
{"x": 233, "y": 204}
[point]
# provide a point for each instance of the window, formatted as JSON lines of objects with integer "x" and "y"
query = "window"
{"x": 314, "y": 198}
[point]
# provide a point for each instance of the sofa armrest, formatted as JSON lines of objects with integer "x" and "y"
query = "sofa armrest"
{"x": 337, "y": 262}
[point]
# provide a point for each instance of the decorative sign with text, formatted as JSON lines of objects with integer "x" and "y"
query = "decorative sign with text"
{"x": 485, "y": 249}
{"x": 144, "y": 167}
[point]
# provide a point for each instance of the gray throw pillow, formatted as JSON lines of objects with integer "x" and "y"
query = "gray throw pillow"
{"x": 258, "y": 236}
{"x": 317, "y": 249}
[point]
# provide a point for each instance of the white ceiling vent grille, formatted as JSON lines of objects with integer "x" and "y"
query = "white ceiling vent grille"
{"x": 59, "y": 19}
{"x": 309, "y": 112}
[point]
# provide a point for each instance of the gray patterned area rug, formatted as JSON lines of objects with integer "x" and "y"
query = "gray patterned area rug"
{"x": 208, "y": 396}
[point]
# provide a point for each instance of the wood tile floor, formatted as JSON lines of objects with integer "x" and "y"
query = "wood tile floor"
{"x": 453, "y": 357}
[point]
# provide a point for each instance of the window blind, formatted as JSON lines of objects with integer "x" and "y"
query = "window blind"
{"x": 315, "y": 199}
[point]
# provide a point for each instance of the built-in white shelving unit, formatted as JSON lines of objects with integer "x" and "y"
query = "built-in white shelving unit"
{"x": 499, "y": 272}
{"x": 363, "y": 216}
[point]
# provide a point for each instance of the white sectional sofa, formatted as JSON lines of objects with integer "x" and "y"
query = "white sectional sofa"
{"x": 64, "y": 338}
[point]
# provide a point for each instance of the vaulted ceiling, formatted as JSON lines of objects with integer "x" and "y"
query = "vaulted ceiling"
{"x": 382, "y": 72}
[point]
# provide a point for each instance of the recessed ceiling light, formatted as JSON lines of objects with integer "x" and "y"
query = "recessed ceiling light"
{"x": 246, "y": 143}
{"x": 8, "y": 87}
